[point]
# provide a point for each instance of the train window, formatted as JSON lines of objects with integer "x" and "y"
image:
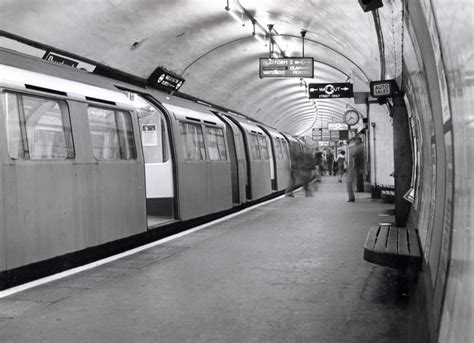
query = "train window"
{"x": 216, "y": 143}
{"x": 153, "y": 129}
{"x": 37, "y": 128}
{"x": 279, "y": 149}
{"x": 193, "y": 139}
{"x": 263, "y": 147}
{"x": 112, "y": 134}
{"x": 256, "y": 155}
{"x": 284, "y": 145}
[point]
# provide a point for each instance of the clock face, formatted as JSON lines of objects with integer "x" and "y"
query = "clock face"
{"x": 351, "y": 117}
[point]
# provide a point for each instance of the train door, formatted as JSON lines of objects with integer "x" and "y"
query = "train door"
{"x": 238, "y": 160}
{"x": 234, "y": 165}
{"x": 158, "y": 163}
{"x": 272, "y": 158}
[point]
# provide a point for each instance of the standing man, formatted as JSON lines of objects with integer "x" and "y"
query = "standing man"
{"x": 330, "y": 161}
{"x": 318, "y": 156}
{"x": 356, "y": 166}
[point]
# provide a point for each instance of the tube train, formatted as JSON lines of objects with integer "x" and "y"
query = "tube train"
{"x": 87, "y": 161}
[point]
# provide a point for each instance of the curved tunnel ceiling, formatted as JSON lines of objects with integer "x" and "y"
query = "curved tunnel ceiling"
{"x": 217, "y": 55}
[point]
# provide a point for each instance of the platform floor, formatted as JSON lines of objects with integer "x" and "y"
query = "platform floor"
{"x": 288, "y": 271}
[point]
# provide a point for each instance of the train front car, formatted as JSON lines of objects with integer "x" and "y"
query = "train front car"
{"x": 71, "y": 165}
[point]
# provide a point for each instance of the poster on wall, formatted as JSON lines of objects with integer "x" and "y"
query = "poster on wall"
{"x": 410, "y": 195}
{"x": 436, "y": 44}
{"x": 447, "y": 226}
{"x": 432, "y": 211}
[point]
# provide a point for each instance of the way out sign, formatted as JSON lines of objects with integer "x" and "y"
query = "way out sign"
{"x": 330, "y": 90}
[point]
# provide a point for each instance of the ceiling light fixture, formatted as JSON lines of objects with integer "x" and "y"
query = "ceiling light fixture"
{"x": 237, "y": 15}
{"x": 303, "y": 33}
{"x": 255, "y": 34}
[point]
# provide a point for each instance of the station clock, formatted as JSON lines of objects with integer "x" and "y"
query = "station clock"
{"x": 351, "y": 117}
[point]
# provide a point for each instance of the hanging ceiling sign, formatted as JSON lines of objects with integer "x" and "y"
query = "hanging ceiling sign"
{"x": 165, "y": 78}
{"x": 383, "y": 89}
{"x": 317, "y": 134}
{"x": 287, "y": 67}
{"x": 52, "y": 57}
{"x": 330, "y": 90}
{"x": 337, "y": 126}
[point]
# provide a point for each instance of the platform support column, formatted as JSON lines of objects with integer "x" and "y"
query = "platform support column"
{"x": 402, "y": 156}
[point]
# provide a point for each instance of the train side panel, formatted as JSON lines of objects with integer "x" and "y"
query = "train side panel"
{"x": 204, "y": 181}
{"x": 281, "y": 157}
{"x": 2, "y": 203}
{"x": 235, "y": 140}
{"x": 53, "y": 206}
{"x": 258, "y": 157}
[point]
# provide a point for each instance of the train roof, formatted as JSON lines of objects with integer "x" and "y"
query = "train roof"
{"x": 20, "y": 79}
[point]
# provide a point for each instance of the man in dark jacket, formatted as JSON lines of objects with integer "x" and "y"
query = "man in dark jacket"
{"x": 330, "y": 161}
{"x": 318, "y": 156}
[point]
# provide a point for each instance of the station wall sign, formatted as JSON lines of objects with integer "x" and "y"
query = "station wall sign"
{"x": 383, "y": 89}
{"x": 317, "y": 134}
{"x": 337, "y": 126}
{"x": 287, "y": 67}
{"x": 334, "y": 135}
{"x": 330, "y": 90}
{"x": 323, "y": 143}
{"x": 166, "y": 79}
{"x": 52, "y": 57}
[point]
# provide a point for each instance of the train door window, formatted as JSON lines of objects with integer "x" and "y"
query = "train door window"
{"x": 112, "y": 134}
{"x": 284, "y": 145}
{"x": 154, "y": 132}
{"x": 37, "y": 128}
{"x": 193, "y": 139}
{"x": 256, "y": 155}
{"x": 263, "y": 147}
{"x": 216, "y": 143}
{"x": 279, "y": 149}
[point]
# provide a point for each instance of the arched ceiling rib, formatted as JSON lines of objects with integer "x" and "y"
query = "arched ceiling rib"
{"x": 218, "y": 56}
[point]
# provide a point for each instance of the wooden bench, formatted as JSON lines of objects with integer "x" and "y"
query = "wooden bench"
{"x": 392, "y": 246}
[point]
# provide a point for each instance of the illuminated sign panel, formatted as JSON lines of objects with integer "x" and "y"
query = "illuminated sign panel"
{"x": 337, "y": 126}
{"x": 383, "y": 89}
{"x": 330, "y": 90}
{"x": 52, "y": 57}
{"x": 287, "y": 67}
{"x": 166, "y": 79}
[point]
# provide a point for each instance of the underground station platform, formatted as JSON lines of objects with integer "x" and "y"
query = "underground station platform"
{"x": 288, "y": 270}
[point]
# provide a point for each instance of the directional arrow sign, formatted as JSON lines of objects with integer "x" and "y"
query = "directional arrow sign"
{"x": 330, "y": 90}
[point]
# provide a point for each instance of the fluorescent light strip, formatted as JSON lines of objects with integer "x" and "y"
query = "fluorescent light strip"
{"x": 236, "y": 16}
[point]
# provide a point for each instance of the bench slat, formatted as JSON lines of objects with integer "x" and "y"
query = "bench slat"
{"x": 403, "y": 241}
{"x": 371, "y": 237}
{"x": 413, "y": 241}
{"x": 392, "y": 242}
{"x": 380, "y": 244}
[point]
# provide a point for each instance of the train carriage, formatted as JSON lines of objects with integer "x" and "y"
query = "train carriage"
{"x": 71, "y": 170}
{"x": 88, "y": 160}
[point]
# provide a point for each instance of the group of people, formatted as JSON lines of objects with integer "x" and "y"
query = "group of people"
{"x": 307, "y": 167}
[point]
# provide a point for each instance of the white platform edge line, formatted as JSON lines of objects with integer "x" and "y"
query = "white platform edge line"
{"x": 54, "y": 277}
